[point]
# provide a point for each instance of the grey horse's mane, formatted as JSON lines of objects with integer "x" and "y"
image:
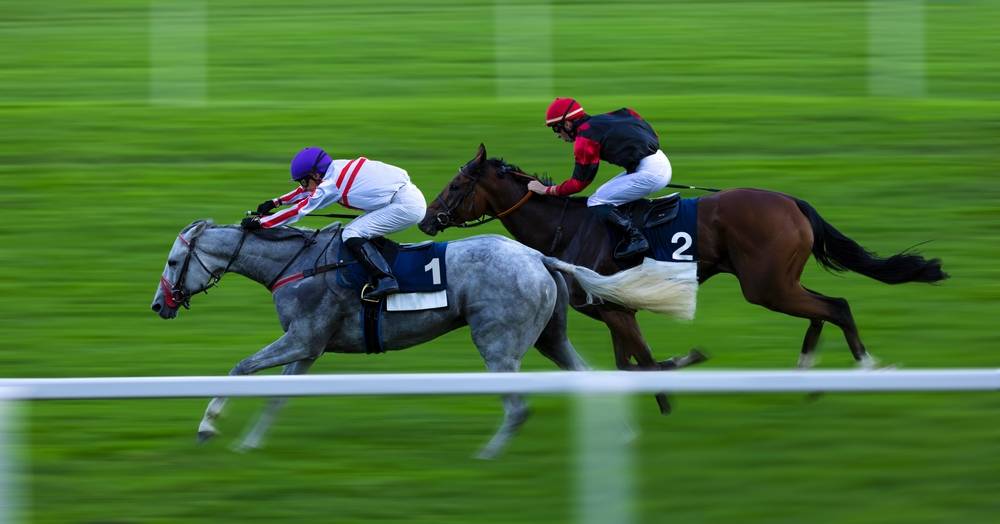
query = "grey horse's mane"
{"x": 277, "y": 233}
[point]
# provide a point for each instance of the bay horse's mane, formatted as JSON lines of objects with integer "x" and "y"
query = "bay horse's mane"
{"x": 504, "y": 167}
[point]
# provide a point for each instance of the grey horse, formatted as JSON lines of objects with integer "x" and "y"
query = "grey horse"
{"x": 498, "y": 287}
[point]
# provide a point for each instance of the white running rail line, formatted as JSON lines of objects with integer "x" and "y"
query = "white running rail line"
{"x": 604, "y": 463}
{"x": 495, "y": 383}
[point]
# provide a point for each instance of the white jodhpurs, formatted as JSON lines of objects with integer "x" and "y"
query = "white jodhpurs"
{"x": 406, "y": 208}
{"x": 652, "y": 175}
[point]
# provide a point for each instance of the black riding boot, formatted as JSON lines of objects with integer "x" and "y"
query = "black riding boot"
{"x": 369, "y": 256}
{"x": 634, "y": 242}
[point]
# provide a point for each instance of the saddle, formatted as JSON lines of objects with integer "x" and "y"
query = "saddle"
{"x": 419, "y": 268}
{"x": 647, "y": 213}
{"x": 409, "y": 264}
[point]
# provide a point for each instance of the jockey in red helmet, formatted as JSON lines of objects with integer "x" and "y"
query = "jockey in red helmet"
{"x": 622, "y": 138}
{"x": 384, "y": 192}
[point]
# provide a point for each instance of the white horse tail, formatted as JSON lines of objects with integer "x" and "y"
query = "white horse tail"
{"x": 670, "y": 288}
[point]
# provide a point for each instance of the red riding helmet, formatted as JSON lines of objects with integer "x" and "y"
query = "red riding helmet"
{"x": 563, "y": 109}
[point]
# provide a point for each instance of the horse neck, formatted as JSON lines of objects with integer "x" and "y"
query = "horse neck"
{"x": 259, "y": 259}
{"x": 556, "y": 227}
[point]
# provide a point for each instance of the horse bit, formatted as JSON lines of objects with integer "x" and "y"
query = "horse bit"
{"x": 444, "y": 218}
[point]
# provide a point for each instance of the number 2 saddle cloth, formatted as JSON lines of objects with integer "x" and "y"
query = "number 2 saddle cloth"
{"x": 670, "y": 224}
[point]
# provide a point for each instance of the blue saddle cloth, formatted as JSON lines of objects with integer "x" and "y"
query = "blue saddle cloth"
{"x": 677, "y": 240}
{"x": 417, "y": 267}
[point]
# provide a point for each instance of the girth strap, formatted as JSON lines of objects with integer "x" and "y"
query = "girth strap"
{"x": 307, "y": 273}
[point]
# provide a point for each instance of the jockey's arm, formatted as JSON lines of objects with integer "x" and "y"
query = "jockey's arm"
{"x": 306, "y": 204}
{"x": 588, "y": 158}
{"x": 291, "y": 197}
{"x": 583, "y": 175}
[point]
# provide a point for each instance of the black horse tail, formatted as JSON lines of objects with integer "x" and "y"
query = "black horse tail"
{"x": 838, "y": 253}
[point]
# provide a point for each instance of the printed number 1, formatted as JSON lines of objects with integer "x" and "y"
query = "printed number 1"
{"x": 434, "y": 266}
{"x": 679, "y": 253}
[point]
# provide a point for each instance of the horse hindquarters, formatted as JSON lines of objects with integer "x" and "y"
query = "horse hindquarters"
{"x": 768, "y": 241}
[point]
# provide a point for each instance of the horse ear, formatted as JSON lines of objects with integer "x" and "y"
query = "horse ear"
{"x": 481, "y": 154}
{"x": 196, "y": 228}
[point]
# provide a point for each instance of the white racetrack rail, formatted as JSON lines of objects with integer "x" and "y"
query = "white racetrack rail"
{"x": 764, "y": 381}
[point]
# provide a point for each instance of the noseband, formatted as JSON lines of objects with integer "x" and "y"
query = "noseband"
{"x": 174, "y": 294}
{"x": 444, "y": 218}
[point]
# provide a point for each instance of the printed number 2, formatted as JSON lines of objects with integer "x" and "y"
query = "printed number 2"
{"x": 434, "y": 266}
{"x": 679, "y": 253}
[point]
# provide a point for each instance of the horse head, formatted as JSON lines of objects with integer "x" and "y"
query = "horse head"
{"x": 188, "y": 270}
{"x": 483, "y": 187}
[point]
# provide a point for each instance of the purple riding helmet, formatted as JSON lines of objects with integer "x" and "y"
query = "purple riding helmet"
{"x": 309, "y": 160}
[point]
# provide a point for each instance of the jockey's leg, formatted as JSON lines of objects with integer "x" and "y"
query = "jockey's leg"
{"x": 376, "y": 265}
{"x": 636, "y": 242}
{"x": 652, "y": 174}
{"x": 406, "y": 208}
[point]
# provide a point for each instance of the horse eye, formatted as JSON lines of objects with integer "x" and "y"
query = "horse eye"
{"x": 171, "y": 263}
{"x": 453, "y": 187}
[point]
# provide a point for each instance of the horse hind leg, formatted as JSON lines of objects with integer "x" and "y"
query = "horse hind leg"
{"x": 561, "y": 351}
{"x": 515, "y": 412}
{"x": 254, "y": 437}
{"x": 798, "y": 301}
{"x": 502, "y": 345}
{"x": 807, "y": 357}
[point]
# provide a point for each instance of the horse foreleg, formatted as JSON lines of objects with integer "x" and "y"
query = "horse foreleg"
{"x": 553, "y": 342}
{"x": 282, "y": 351}
{"x": 628, "y": 342}
{"x": 254, "y": 438}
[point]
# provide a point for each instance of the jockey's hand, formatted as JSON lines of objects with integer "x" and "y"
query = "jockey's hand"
{"x": 251, "y": 223}
{"x": 537, "y": 187}
{"x": 265, "y": 207}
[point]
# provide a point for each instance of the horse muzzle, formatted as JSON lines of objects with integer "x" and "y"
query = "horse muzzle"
{"x": 433, "y": 226}
{"x": 161, "y": 308}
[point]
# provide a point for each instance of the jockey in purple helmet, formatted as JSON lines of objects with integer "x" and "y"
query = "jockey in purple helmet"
{"x": 622, "y": 138}
{"x": 384, "y": 192}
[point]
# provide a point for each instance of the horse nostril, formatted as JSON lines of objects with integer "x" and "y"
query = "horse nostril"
{"x": 157, "y": 307}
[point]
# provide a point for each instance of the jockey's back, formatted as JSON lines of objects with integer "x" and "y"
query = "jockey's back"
{"x": 622, "y": 137}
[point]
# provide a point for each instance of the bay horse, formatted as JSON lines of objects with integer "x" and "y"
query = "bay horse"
{"x": 762, "y": 237}
{"x": 501, "y": 289}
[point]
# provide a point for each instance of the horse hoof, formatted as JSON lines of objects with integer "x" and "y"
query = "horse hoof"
{"x": 628, "y": 435}
{"x": 205, "y": 436}
{"x": 694, "y": 356}
{"x": 697, "y": 356}
{"x": 488, "y": 453}
{"x": 664, "y": 403}
{"x": 243, "y": 447}
{"x": 814, "y": 396}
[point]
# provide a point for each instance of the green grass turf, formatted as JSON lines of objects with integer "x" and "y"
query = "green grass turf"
{"x": 95, "y": 181}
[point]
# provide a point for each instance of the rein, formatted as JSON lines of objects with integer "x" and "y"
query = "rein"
{"x": 174, "y": 294}
{"x": 444, "y": 218}
{"x": 486, "y": 219}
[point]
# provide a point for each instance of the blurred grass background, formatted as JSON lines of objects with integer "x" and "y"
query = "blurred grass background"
{"x": 107, "y": 152}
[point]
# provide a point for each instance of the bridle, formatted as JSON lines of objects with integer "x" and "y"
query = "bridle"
{"x": 444, "y": 218}
{"x": 174, "y": 294}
